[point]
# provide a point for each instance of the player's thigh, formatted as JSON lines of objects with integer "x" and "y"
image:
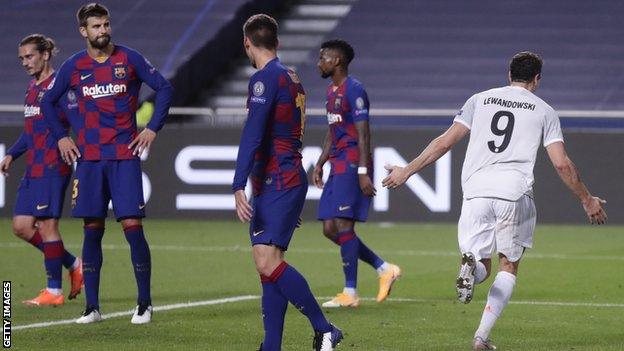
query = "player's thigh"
{"x": 89, "y": 190}
{"x": 475, "y": 229}
{"x": 515, "y": 224}
{"x": 276, "y": 215}
{"x": 125, "y": 179}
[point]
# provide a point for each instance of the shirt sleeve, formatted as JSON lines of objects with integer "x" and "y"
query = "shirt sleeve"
{"x": 56, "y": 90}
{"x": 19, "y": 147}
{"x": 358, "y": 100}
{"x": 552, "y": 128}
{"x": 146, "y": 72}
{"x": 261, "y": 104}
{"x": 466, "y": 114}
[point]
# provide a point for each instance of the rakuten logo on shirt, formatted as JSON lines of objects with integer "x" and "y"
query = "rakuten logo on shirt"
{"x": 31, "y": 111}
{"x": 333, "y": 118}
{"x": 98, "y": 91}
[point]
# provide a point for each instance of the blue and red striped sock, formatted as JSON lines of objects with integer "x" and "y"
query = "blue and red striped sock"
{"x": 141, "y": 261}
{"x": 68, "y": 259}
{"x": 92, "y": 264}
{"x": 36, "y": 241}
{"x": 367, "y": 255}
{"x": 296, "y": 289}
{"x": 53, "y": 253}
{"x": 274, "y": 306}
{"x": 349, "y": 250}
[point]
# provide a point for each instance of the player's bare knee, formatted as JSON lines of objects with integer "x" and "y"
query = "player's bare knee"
{"x": 130, "y": 222}
{"x": 343, "y": 224}
{"x": 505, "y": 265}
{"x": 23, "y": 227}
{"x": 329, "y": 233}
{"x": 22, "y": 231}
{"x": 265, "y": 265}
{"x": 94, "y": 223}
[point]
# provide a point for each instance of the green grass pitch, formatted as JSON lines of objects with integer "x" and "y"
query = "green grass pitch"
{"x": 569, "y": 294}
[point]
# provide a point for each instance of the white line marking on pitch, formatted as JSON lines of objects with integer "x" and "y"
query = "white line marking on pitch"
{"x": 156, "y": 309}
{"x": 512, "y": 302}
{"x": 237, "y": 248}
{"x": 256, "y": 297}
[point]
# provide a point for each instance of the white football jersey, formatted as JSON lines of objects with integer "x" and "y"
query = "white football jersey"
{"x": 506, "y": 126}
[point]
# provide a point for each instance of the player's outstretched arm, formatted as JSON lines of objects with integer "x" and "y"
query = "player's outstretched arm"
{"x": 571, "y": 178}
{"x": 436, "y": 149}
{"x": 317, "y": 173}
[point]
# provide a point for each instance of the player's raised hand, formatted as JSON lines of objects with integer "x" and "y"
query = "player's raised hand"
{"x": 6, "y": 164}
{"x": 595, "y": 212}
{"x": 366, "y": 184}
{"x": 317, "y": 176}
{"x": 142, "y": 142}
{"x": 243, "y": 208}
{"x": 397, "y": 176}
{"x": 69, "y": 150}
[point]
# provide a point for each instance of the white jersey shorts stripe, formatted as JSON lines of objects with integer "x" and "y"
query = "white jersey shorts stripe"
{"x": 487, "y": 224}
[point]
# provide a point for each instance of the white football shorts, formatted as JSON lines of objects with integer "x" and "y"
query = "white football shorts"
{"x": 486, "y": 223}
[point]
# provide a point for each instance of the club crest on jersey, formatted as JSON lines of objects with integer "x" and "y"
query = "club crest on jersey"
{"x": 71, "y": 96}
{"x": 40, "y": 95}
{"x": 337, "y": 103}
{"x": 258, "y": 88}
{"x": 120, "y": 72}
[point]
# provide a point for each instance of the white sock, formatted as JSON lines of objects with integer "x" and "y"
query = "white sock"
{"x": 480, "y": 272}
{"x": 55, "y": 291}
{"x": 498, "y": 297}
{"x": 349, "y": 291}
{"x": 382, "y": 268}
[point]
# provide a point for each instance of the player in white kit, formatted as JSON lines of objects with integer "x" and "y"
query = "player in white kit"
{"x": 506, "y": 126}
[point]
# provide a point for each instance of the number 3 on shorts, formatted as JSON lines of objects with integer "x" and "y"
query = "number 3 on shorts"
{"x": 75, "y": 190}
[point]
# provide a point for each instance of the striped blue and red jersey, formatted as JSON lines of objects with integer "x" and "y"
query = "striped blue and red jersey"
{"x": 272, "y": 139}
{"x": 107, "y": 94}
{"x": 43, "y": 159}
{"x": 346, "y": 105}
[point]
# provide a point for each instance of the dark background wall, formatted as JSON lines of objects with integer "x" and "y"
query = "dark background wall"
{"x": 598, "y": 155}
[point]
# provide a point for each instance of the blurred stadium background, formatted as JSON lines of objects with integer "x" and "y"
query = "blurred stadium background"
{"x": 419, "y": 60}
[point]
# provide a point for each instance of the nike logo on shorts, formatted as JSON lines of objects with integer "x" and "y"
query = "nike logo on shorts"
{"x": 258, "y": 232}
{"x": 343, "y": 208}
{"x": 141, "y": 207}
{"x": 41, "y": 207}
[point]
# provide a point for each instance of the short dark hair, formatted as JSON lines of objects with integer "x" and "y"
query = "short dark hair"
{"x": 524, "y": 66}
{"x": 41, "y": 42}
{"x": 261, "y": 29}
{"x": 345, "y": 49}
{"x": 91, "y": 10}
